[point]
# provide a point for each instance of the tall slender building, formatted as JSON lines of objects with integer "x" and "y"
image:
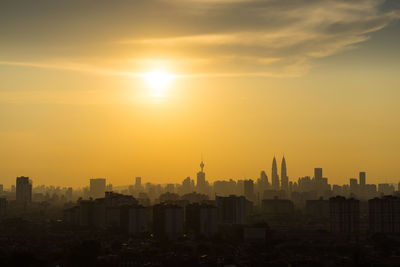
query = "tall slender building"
{"x": 201, "y": 180}
{"x": 284, "y": 177}
{"x": 274, "y": 175}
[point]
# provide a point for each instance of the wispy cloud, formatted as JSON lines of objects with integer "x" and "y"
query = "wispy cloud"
{"x": 213, "y": 37}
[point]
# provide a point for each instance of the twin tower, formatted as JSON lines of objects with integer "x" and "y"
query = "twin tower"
{"x": 284, "y": 183}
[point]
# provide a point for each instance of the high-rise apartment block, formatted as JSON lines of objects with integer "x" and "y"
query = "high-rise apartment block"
{"x": 23, "y": 190}
{"x": 344, "y": 215}
{"x": 232, "y": 209}
{"x": 384, "y": 215}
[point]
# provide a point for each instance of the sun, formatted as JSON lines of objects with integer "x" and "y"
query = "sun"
{"x": 158, "y": 80}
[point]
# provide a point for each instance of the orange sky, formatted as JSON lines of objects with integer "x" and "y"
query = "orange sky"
{"x": 322, "y": 89}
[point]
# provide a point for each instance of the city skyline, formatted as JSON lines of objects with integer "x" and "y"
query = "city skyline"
{"x": 275, "y": 181}
{"x": 199, "y": 133}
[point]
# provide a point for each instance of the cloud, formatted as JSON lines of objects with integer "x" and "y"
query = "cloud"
{"x": 213, "y": 37}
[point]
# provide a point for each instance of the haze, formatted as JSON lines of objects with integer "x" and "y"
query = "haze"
{"x": 317, "y": 81}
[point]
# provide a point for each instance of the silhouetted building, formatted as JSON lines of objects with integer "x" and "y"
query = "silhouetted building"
{"x": 201, "y": 180}
{"x": 168, "y": 220}
{"x": 187, "y": 186}
{"x": 97, "y": 187}
{"x": 272, "y": 194}
{"x": 143, "y": 199}
{"x": 385, "y": 189}
{"x": 362, "y": 178}
{"x": 262, "y": 182}
{"x": 353, "y": 186}
{"x": 68, "y": 194}
{"x": 225, "y": 188}
{"x": 194, "y": 197}
{"x": 274, "y": 175}
{"x": 23, "y": 190}
{"x": 249, "y": 190}
{"x": 3, "y": 207}
{"x": 384, "y": 215}
{"x": 278, "y": 207}
{"x": 114, "y": 217}
{"x": 317, "y": 209}
{"x": 202, "y": 219}
{"x": 284, "y": 177}
{"x": 232, "y": 209}
{"x": 344, "y": 215}
{"x": 318, "y": 174}
{"x": 318, "y": 181}
{"x": 137, "y": 220}
{"x": 86, "y": 212}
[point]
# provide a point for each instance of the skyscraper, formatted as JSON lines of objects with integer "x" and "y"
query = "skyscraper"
{"x": 249, "y": 189}
{"x": 201, "y": 179}
{"x": 138, "y": 184}
{"x": 318, "y": 180}
{"x": 318, "y": 174}
{"x": 97, "y": 187}
{"x": 284, "y": 177}
{"x": 23, "y": 190}
{"x": 262, "y": 182}
{"x": 362, "y": 178}
{"x": 274, "y": 175}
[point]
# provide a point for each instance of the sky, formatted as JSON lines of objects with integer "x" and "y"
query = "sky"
{"x": 315, "y": 80}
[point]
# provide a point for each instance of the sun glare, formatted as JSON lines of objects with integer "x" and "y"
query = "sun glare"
{"x": 158, "y": 80}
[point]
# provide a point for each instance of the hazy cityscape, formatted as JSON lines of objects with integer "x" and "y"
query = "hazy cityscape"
{"x": 264, "y": 220}
{"x": 226, "y": 133}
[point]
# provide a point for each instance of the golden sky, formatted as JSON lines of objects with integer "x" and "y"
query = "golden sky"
{"x": 317, "y": 81}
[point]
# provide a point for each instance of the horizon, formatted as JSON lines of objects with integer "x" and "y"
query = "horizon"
{"x": 211, "y": 181}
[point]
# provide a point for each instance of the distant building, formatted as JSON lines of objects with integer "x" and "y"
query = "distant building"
{"x": 195, "y": 197}
{"x": 170, "y": 188}
{"x": 3, "y": 207}
{"x": 274, "y": 175}
{"x": 284, "y": 177}
{"x": 353, "y": 186}
{"x": 384, "y": 215}
{"x": 97, "y": 187}
{"x": 318, "y": 174}
{"x": 317, "y": 209}
{"x": 272, "y": 194}
{"x": 202, "y": 219}
{"x": 138, "y": 184}
{"x": 168, "y": 220}
{"x": 262, "y": 182}
{"x": 23, "y": 190}
{"x": 278, "y": 207}
{"x": 187, "y": 186}
{"x": 249, "y": 189}
{"x": 224, "y": 188}
{"x": 385, "y": 189}
{"x": 232, "y": 209}
{"x": 114, "y": 217}
{"x": 1, "y": 188}
{"x": 344, "y": 215}
{"x": 137, "y": 220}
{"x": 201, "y": 184}
{"x": 362, "y": 178}
{"x": 86, "y": 213}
